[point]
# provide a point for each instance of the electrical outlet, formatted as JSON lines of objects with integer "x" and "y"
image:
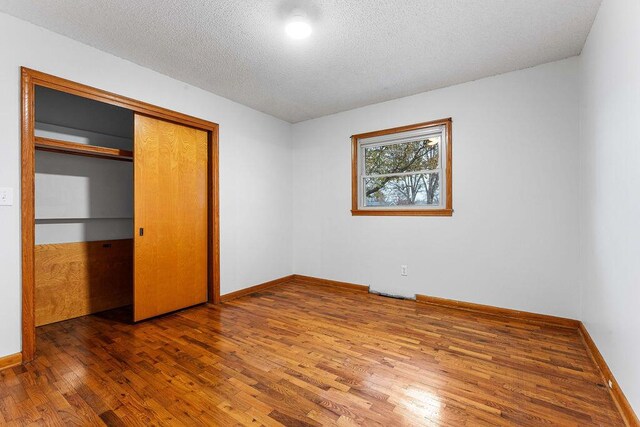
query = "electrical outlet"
{"x": 403, "y": 270}
{"x": 6, "y": 196}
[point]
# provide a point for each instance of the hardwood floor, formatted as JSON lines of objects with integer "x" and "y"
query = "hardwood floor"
{"x": 299, "y": 354}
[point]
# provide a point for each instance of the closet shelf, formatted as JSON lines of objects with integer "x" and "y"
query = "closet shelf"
{"x": 78, "y": 219}
{"x": 58, "y": 146}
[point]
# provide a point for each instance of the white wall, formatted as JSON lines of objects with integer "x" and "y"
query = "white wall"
{"x": 79, "y": 199}
{"x": 255, "y": 160}
{"x": 512, "y": 240}
{"x": 74, "y": 187}
{"x": 610, "y": 189}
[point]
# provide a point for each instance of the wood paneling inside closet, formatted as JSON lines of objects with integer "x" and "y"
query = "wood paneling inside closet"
{"x": 76, "y": 279}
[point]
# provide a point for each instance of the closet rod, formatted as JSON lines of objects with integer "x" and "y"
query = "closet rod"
{"x": 57, "y": 146}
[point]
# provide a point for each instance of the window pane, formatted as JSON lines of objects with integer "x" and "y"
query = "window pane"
{"x": 421, "y": 189}
{"x": 406, "y": 157}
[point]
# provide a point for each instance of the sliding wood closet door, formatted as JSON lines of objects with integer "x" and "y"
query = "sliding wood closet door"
{"x": 170, "y": 215}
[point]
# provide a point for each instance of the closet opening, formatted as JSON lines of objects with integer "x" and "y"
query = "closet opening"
{"x": 97, "y": 169}
{"x": 83, "y": 206}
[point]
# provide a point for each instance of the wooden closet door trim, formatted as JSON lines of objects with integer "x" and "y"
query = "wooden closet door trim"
{"x": 214, "y": 219}
{"x": 27, "y": 192}
{"x": 63, "y": 85}
{"x": 29, "y": 80}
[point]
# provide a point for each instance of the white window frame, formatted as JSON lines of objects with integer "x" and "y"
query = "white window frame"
{"x": 400, "y": 138}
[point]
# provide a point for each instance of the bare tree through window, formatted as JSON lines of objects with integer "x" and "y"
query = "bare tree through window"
{"x": 398, "y": 174}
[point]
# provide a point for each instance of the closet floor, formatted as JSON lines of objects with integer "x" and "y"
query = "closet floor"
{"x": 299, "y": 354}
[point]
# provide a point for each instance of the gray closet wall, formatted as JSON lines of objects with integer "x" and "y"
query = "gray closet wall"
{"x": 80, "y": 198}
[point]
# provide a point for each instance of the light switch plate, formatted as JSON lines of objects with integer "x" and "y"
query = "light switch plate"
{"x": 6, "y": 196}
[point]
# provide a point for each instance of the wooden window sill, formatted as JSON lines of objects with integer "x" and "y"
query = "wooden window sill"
{"x": 402, "y": 212}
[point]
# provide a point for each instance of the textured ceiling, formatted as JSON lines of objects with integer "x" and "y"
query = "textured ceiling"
{"x": 361, "y": 51}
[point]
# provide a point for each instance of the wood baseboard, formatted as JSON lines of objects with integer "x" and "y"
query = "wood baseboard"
{"x": 541, "y": 319}
{"x": 325, "y": 282}
{"x": 10, "y": 361}
{"x": 629, "y": 416}
{"x": 256, "y": 288}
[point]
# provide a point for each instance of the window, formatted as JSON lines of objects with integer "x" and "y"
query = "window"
{"x": 403, "y": 171}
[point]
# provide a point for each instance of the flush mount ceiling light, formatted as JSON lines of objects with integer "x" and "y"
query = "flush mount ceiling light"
{"x": 298, "y": 26}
